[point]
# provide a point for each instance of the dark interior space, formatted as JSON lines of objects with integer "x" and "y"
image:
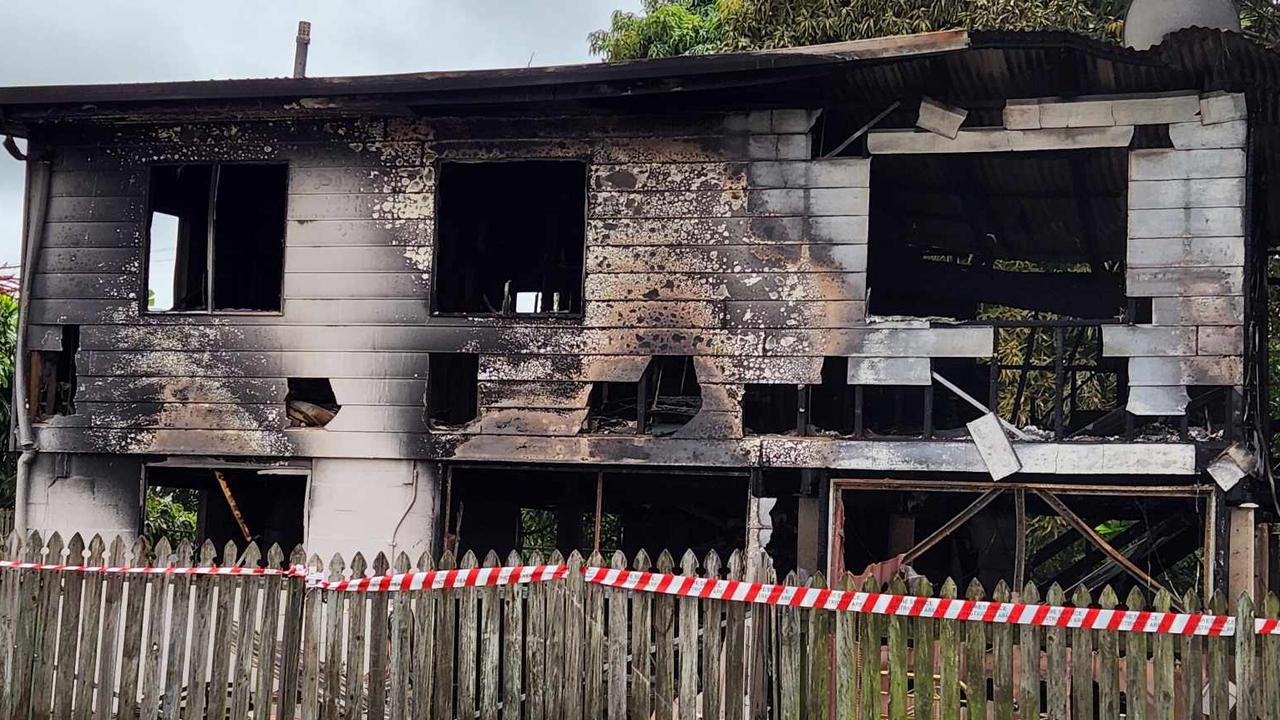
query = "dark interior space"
{"x": 999, "y": 235}
{"x": 182, "y": 192}
{"x": 245, "y": 204}
{"x": 770, "y": 409}
{"x": 451, "y": 389}
{"x": 53, "y": 377}
{"x": 510, "y": 237}
{"x": 1162, "y": 535}
{"x": 310, "y": 402}
{"x": 665, "y": 399}
{"x": 831, "y": 405}
{"x": 673, "y": 395}
{"x": 248, "y": 239}
{"x": 270, "y": 505}
{"x": 614, "y": 407}
{"x": 525, "y": 510}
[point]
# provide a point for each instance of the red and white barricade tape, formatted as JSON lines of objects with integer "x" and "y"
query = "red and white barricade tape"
{"x": 443, "y": 579}
{"x": 1160, "y": 623}
{"x": 118, "y": 570}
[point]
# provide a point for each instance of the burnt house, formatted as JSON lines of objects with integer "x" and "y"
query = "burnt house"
{"x": 991, "y": 305}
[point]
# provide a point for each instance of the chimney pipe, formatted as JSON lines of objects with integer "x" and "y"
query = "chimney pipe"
{"x": 300, "y": 49}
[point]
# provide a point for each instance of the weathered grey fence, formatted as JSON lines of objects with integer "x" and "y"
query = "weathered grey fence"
{"x": 80, "y": 646}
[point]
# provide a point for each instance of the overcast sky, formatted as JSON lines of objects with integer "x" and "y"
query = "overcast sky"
{"x": 115, "y": 41}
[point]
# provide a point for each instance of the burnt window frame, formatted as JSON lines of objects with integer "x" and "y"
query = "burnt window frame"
{"x": 216, "y": 171}
{"x": 434, "y": 300}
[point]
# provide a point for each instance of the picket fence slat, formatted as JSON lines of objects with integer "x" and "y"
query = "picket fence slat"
{"x": 616, "y": 678}
{"x": 245, "y": 601}
{"x": 378, "y": 644}
{"x": 594, "y": 675}
{"x": 512, "y": 646}
{"x": 401, "y": 629}
{"x": 264, "y": 700}
{"x": 1029, "y": 653}
{"x": 735, "y": 650}
{"x": 68, "y": 629}
{"x": 220, "y": 672}
{"x": 1081, "y": 660}
{"x": 160, "y": 646}
{"x": 640, "y": 701}
{"x": 88, "y": 640}
{"x": 356, "y": 634}
{"x": 1002, "y": 661}
{"x": 490, "y": 648}
{"x": 1191, "y": 702}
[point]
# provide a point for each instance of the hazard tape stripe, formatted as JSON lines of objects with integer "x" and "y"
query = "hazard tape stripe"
{"x": 1161, "y": 623}
{"x": 443, "y": 579}
{"x": 1142, "y": 621}
{"x": 118, "y": 570}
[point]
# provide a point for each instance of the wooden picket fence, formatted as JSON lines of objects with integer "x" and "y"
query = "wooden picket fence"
{"x": 79, "y": 646}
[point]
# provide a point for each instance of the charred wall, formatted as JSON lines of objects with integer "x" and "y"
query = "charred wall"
{"x": 713, "y": 236}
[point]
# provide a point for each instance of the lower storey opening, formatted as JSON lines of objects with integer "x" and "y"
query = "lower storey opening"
{"x": 540, "y": 511}
{"x": 1074, "y": 536}
{"x": 224, "y": 504}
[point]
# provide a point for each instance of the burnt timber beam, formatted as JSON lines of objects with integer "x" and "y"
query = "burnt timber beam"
{"x": 1092, "y": 536}
{"x": 952, "y": 525}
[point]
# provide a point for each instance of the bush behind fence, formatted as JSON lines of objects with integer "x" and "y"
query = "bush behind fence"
{"x": 80, "y": 645}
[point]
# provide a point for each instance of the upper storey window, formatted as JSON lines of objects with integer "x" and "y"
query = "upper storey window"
{"x": 511, "y": 237}
{"x": 216, "y": 237}
{"x": 999, "y": 236}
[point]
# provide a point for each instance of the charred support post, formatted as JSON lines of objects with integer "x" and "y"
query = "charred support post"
{"x": 1243, "y": 552}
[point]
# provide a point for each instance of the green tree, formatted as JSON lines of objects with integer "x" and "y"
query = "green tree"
{"x": 666, "y": 28}
{"x": 688, "y": 27}
{"x": 171, "y": 513}
{"x": 8, "y": 347}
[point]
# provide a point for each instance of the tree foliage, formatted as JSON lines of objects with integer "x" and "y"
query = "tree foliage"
{"x": 8, "y": 347}
{"x": 666, "y": 28}
{"x": 689, "y": 27}
{"x": 171, "y": 513}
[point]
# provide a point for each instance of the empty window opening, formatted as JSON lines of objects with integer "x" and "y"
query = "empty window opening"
{"x": 832, "y": 405}
{"x": 1001, "y": 236}
{"x": 533, "y": 510}
{"x": 1054, "y": 381}
{"x": 1160, "y": 535}
{"x": 310, "y": 402}
{"x": 452, "y": 389}
{"x": 665, "y": 399}
{"x": 769, "y": 409}
{"x": 543, "y": 530}
{"x": 511, "y": 237}
{"x": 222, "y": 504}
{"x": 614, "y": 407}
{"x": 895, "y": 410}
{"x": 1212, "y": 416}
{"x": 53, "y": 377}
{"x": 216, "y": 237}
{"x": 672, "y": 393}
